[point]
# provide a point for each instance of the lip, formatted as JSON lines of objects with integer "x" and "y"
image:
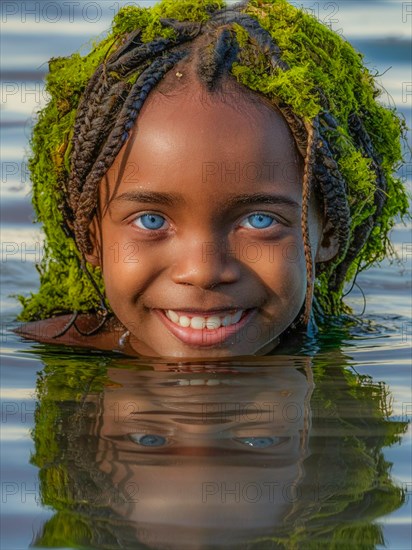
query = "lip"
{"x": 206, "y": 312}
{"x": 205, "y": 338}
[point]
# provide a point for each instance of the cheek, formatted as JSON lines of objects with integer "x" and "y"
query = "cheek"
{"x": 127, "y": 268}
{"x": 283, "y": 267}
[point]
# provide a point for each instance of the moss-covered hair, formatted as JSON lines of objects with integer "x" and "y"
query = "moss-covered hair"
{"x": 350, "y": 142}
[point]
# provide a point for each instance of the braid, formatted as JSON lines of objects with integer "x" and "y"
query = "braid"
{"x": 88, "y": 141}
{"x": 89, "y": 117}
{"x": 333, "y": 189}
{"x": 334, "y": 192}
{"x": 361, "y": 136}
{"x": 297, "y": 127}
{"x": 306, "y": 191}
{"x": 360, "y": 236}
{"x": 97, "y": 86}
{"x": 217, "y": 59}
{"x": 261, "y": 37}
{"x": 116, "y": 139}
{"x": 363, "y": 231}
{"x": 145, "y": 52}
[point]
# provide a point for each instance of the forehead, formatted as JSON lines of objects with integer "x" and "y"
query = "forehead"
{"x": 193, "y": 137}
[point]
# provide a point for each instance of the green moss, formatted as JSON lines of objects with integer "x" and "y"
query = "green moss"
{"x": 318, "y": 59}
{"x": 130, "y": 18}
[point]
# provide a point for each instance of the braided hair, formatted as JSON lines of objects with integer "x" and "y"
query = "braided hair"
{"x": 350, "y": 143}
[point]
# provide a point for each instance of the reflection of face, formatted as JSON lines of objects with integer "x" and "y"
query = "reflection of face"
{"x": 185, "y": 236}
{"x": 190, "y": 455}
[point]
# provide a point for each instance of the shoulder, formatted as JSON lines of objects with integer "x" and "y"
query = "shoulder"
{"x": 73, "y": 331}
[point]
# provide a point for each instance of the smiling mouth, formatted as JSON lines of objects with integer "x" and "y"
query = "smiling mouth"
{"x": 197, "y": 330}
{"x": 202, "y": 322}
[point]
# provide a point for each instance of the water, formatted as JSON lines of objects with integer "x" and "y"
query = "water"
{"x": 109, "y": 452}
{"x": 102, "y": 451}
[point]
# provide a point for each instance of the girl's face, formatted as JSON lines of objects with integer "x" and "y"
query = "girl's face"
{"x": 199, "y": 233}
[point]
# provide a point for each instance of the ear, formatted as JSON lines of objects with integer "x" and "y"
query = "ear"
{"x": 328, "y": 244}
{"x": 94, "y": 258}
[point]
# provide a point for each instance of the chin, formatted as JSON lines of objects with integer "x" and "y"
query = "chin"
{"x": 189, "y": 353}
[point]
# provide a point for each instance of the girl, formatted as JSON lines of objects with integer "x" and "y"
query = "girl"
{"x": 205, "y": 176}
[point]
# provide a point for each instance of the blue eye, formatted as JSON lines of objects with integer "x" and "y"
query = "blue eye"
{"x": 148, "y": 440}
{"x": 260, "y": 220}
{"x": 150, "y": 221}
{"x": 260, "y": 442}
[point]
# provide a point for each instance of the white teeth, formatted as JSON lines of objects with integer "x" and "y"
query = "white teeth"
{"x": 198, "y": 323}
{"x": 207, "y": 382}
{"x": 198, "y": 382}
{"x": 172, "y": 315}
{"x": 184, "y": 321}
{"x": 213, "y": 322}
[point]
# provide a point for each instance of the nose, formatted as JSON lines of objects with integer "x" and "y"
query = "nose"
{"x": 205, "y": 264}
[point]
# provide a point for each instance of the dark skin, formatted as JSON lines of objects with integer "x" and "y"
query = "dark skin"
{"x": 200, "y": 216}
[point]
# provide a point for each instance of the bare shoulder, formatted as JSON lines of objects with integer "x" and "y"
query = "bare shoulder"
{"x": 74, "y": 331}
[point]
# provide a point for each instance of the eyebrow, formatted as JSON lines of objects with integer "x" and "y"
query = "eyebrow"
{"x": 171, "y": 199}
{"x": 259, "y": 198}
{"x": 167, "y": 199}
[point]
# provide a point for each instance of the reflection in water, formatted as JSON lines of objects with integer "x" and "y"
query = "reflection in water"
{"x": 275, "y": 453}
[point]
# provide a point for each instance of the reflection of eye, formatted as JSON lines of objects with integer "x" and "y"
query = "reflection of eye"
{"x": 148, "y": 440}
{"x": 260, "y": 442}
